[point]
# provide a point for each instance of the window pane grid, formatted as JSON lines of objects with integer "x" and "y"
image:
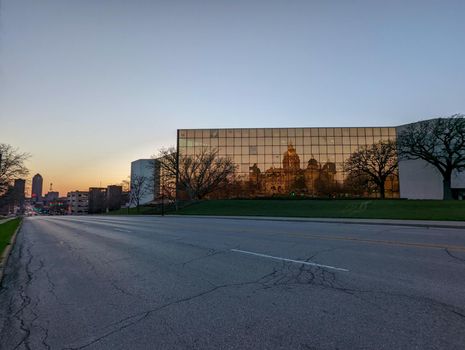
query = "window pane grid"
{"x": 275, "y": 158}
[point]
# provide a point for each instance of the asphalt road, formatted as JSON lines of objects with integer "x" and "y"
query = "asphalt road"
{"x": 203, "y": 283}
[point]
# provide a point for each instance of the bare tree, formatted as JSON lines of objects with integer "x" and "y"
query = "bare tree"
{"x": 358, "y": 185}
{"x": 139, "y": 188}
{"x": 198, "y": 175}
{"x": 163, "y": 184}
{"x": 11, "y": 166}
{"x": 325, "y": 184}
{"x": 125, "y": 184}
{"x": 167, "y": 183}
{"x": 440, "y": 142}
{"x": 376, "y": 163}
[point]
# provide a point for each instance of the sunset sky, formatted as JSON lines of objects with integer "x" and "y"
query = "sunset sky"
{"x": 88, "y": 86}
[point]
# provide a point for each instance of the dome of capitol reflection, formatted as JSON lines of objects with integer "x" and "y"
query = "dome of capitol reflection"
{"x": 291, "y": 160}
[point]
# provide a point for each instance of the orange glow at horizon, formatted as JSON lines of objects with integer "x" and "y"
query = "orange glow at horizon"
{"x": 81, "y": 171}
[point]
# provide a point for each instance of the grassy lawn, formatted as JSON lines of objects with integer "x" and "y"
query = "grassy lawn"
{"x": 6, "y": 231}
{"x": 367, "y": 209}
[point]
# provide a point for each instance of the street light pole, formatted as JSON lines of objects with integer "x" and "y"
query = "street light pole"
{"x": 162, "y": 204}
{"x": 162, "y": 190}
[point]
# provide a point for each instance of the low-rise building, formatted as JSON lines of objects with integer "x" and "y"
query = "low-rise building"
{"x": 50, "y": 197}
{"x": 97, "y": 200}
{"x": 114, "y": 197}
{"x": 78, "y": 202}
{"x": 310, "y": 162}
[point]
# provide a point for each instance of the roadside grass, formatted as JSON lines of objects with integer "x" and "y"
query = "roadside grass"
{"x": 6, "y": 232}
{"x": 353, "y": 208}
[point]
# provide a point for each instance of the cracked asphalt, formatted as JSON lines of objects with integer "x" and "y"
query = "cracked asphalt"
{"x": 177, "y": 283}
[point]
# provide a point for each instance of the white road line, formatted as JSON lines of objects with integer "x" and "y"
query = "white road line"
{"x": 289, "y": 260}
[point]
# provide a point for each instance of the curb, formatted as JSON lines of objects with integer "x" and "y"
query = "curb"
{"x": 454, "y": 225}
{"x": 7, "y": 251}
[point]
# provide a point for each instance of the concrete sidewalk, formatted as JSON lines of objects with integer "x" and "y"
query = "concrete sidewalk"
{"x": 413, "y": 223}
{"x": 2, "y": 221}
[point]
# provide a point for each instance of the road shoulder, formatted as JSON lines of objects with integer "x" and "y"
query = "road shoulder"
{"x": 6, "y": 253}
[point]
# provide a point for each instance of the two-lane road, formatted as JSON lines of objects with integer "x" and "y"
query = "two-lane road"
{"x": 204, "y": 283}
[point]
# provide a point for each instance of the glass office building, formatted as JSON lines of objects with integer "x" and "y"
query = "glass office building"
{"x": 289, "y": 161}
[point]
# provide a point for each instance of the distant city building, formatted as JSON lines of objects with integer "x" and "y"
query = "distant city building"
{"x": 37, "y": 183}
{"x": 58, "y": 206}
{"x": 97, "y": 200}
{"x": 51, "y": 197}
{"x": 125, "y": 198}
{"x": 78, "y": 202}
{"x": 20, "y": 189}
{"x": 12, "y": 201}
{"x": 114, "y": 197}
{"x": 147, "y": 169}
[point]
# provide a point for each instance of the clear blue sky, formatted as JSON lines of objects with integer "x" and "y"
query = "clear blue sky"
{"x": 88, "y": 86}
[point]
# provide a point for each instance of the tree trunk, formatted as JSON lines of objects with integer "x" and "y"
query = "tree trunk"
{"x": 382, "y": 191}
{"x": 446, "y": 187}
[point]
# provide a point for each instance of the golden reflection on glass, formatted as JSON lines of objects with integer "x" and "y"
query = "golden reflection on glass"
{"x": 303, "y": 161}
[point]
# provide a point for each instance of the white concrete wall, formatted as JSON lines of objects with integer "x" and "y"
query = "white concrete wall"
{"x": 143, "y": 167}
{"x": 420, "y": 180}
{"x": 458, "y": 179}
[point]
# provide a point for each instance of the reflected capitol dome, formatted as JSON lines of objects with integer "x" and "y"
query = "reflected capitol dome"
{"x": 291, "y": 160}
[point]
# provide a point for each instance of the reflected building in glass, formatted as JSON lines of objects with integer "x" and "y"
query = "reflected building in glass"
{"x": 291, "y": 161}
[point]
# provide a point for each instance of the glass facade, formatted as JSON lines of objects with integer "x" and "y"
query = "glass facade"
{"x": 288, "y": 161}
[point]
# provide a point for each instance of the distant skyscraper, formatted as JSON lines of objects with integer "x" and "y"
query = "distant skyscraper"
{"x": 37, "y": 183}
{"x": 20, "y": 188}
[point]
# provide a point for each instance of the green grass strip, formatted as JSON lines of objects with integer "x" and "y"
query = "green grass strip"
{"x": 6, "y": 232}
{"x": 360, "y": 209}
